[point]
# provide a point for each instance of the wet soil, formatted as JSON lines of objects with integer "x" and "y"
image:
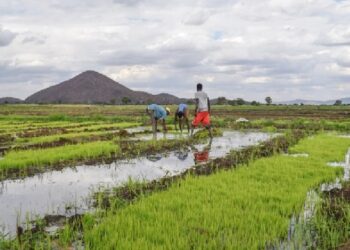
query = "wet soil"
{"x": 345, "y": 246}
{"x": 343, "y": 194}
{"x": 41, "y": 132}
{"x": 333, "y": 204}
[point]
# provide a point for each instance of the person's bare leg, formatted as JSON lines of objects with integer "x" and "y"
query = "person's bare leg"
{"x": 192, "y": 129}
{"x": 165, "y": 129}
{"x": 181, "y": 124}
{"x": 154, "y": 127}
{"x": 210, "y": 131}
{"x": 188, "y": 125}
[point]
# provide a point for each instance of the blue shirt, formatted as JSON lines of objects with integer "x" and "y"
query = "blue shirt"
{"x": 158, "y": 111}
{"x": 182, "y": 107}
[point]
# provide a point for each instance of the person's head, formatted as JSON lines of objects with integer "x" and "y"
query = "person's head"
{"x": 167, "y": 110}
{"x": 199, "y": 87}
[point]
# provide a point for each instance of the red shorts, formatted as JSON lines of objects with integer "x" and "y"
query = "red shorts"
{"x": 202, "y": 117}
{"x": 201, "y": 156}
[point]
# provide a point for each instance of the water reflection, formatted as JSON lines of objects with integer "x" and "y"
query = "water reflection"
{"x": 202, "y": 156}
{"x": 182, "y": 155}
{"x": 154, "y": 157}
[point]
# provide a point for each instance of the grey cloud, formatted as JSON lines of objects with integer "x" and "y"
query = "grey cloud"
{"x": 337, "y": 36}
{"x": 197, "y": 18}
{"x": 34, "y": 39}
{"x": 336, "y": 44}
{"x": 21, "y": 74}
{"x": 128, "y": 57}
{"x": 127, "y": 2}
{"x": 6, "y": 37}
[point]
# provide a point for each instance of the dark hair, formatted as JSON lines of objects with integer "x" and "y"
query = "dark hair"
{"x": 199, "y": 86}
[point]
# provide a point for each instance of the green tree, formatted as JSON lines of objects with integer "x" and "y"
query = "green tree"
{"x": 338, "y": 103}
{"x": 126, "y": 100}
{"x": 240, "y": 101}
{"x": 222, "y": 101}
{"x": 190, "y": 102}
{"x": 268, "y": 100}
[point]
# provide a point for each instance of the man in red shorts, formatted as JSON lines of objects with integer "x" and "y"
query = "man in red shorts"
{"x": 202, "y": 111}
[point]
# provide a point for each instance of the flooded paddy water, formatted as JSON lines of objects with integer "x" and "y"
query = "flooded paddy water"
{"x": 296, "y": 239}
{"x": 68, "y": 192}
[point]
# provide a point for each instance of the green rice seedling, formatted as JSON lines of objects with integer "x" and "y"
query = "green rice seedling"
{"x": 203, "y": 134}
{"x": 270, "y": 129}
{"x": 97, "y": 127}
{"x": 248, "y": 208}
{"x": 51, "y": 156}
{"x": 75, "y": 135}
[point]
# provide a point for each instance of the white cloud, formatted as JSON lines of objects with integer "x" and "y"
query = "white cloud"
{"x": 250, "y": 49}
{"x": 257, "y": 79}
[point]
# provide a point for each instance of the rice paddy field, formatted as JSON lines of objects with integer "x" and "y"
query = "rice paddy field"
{"x": 93, "y": 177}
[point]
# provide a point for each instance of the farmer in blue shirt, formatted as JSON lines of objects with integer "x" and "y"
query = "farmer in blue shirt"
{"x": 157, "y": 113}
{"x": 181, "y": 115}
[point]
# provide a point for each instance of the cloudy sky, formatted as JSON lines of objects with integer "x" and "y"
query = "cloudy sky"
{"x": 285, "y": 49}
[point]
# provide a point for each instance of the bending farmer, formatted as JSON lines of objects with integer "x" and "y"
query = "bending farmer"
{"x": 181, "y": 115}
{"x": 157, "y": 113}
{"x": 202, "y": 111}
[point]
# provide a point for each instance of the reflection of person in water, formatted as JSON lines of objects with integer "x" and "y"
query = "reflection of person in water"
{"x": 202, "y": 156}
{"x": 182, "y": 154}
{"x": 154, "y": 158}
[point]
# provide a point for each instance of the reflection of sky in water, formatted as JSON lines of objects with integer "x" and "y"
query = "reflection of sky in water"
{"x": 48, "y": 193}
{"x": 138, "y": 129}
{"x": 346, "y": 177}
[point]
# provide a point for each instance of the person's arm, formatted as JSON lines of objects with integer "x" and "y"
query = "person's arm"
{"x": 186, "y": 118}
{"x": 164, "y": 126}
{"x": 175, "y": 119}
{"x": 208, "y": 105}
{"x": 153, "y": 120}
{"x": 150, "y": 113}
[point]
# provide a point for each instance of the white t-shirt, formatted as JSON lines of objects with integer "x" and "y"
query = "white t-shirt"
{"x": 202, "y": 101}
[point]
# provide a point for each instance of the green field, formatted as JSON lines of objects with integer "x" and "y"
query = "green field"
{"x": 247, "y": 202}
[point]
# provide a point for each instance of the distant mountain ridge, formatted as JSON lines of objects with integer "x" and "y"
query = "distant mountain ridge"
{"x": 345, "y": 100}
{"x": 91, "y": 87}
{"x": 10, "y": 100}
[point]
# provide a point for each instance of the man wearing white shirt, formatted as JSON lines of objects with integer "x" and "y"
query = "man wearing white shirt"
{"x": 202, "y": 111}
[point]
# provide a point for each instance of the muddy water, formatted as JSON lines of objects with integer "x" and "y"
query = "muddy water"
{"x": 67, "y": 192}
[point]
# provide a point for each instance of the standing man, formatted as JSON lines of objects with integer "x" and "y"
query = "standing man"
{"x": 157, "y": 113}
{"x": 202, "y": 111}
{"x": 181, "y": 114}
